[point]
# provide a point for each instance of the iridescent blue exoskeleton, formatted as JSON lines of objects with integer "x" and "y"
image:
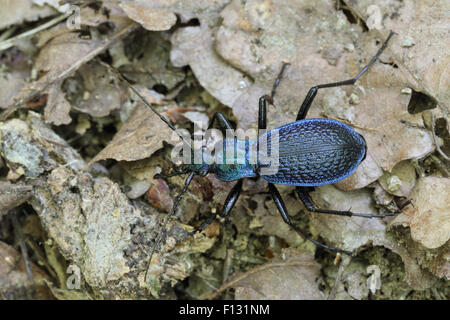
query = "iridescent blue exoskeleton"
{"x": 311, "y": 152}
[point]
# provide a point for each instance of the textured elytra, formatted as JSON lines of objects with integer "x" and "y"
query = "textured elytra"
{"x": 313, "y": 152}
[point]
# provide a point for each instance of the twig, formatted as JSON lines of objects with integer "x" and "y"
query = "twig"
{"x": 12, "y": 41}
{"x": 5, "y": 35}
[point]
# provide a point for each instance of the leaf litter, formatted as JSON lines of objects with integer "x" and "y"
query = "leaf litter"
{"x": 104, "y": 217}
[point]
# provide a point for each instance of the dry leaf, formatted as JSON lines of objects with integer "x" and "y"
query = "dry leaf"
{"x": 10, "y": 85}
{"x": 61, "y": 56}
{"x": 401, "y": 180}
{"x": 150, "y": 18}
{"x": 292, "y": 278}
{"x": 429, "y": 217}
{"x": 140, "y": 136}
{"x": 422, "y": 50}
{"x": 101, "y": 91}
{"x": 57, "y": 108}
{"x": 32, "y": 147}
{"x": 19, "y": 11}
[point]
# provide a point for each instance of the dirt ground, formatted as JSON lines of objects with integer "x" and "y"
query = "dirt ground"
{"x": 81, "y": 209}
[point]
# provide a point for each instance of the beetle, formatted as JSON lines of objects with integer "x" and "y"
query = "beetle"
{"x": 311, "y": 153}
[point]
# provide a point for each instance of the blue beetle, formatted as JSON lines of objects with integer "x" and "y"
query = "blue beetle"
{"x": 311, "y": 152}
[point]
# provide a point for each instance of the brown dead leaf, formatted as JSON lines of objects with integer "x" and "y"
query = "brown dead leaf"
{"x": 101, "y": 92}
{"x": 194, "y": 46}
{"x": 10, "y": 85}
{"x": 150, "y": 18}
{"x": 267, "y": 220}
{"x": 294, "y": 277}
{"x": 140, "y": 136}
{"x": 30, "y": 147}
{"x": 61, "y": 56}
{"x": 429, "y": 217}
{"x": 19, "y": 11}
{"x": 58, "y": 108}
{"x": 422, "y": 50}
{"x": 206, "y": 10}
{"x": 14, "y": 281}
{"x": 14, "y": 73}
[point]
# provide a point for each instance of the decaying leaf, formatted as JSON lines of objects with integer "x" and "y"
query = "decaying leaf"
{"x": 356, "y": 232}
{"x": 12, "y": 79}
{"x": 292, "y": 278}
{"x": 422, "y": 50}
{"x": 140, "y": 136}
{"x": 27, "y": 147}
{"x": 150, "y": 18}
{"x": 101, "y": 92}
{"x": 58, "y": 108}
{"x": 60, "y": 57}
{"x": 14, "y": 281}
{"x": 106, "y": 236}
{"x": 401, "y": 180}
{"x": 429, "y": 217}
{"x": 268, "y": 221}
{"x": 20, "y": 11}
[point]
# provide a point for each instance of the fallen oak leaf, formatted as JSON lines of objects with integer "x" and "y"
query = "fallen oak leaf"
{"x": 141, "y": 135}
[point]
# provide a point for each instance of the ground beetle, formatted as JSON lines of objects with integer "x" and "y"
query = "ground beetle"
{"x": 312, "y": 152}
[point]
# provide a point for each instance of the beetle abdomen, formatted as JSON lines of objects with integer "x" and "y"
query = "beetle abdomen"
{"x": 313, "y": 152}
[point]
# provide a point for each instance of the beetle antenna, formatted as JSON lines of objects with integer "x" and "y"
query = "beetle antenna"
{"x": 128, "y": 83}
{"x": 175, "y": 205}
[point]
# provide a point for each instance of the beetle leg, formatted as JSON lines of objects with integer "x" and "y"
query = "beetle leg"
{"x": 277, "y": 80}
{"x": 262, "y": 117}
{"x": 223, "y": 122}
{"x": 306, "y": 199}
{"x": 172, "y": 212}
{"x": 262, "y": 111}
{"x": 313, "y": 91}
{"x": 284, "y": 214}
{"x": 228, "y": 205}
